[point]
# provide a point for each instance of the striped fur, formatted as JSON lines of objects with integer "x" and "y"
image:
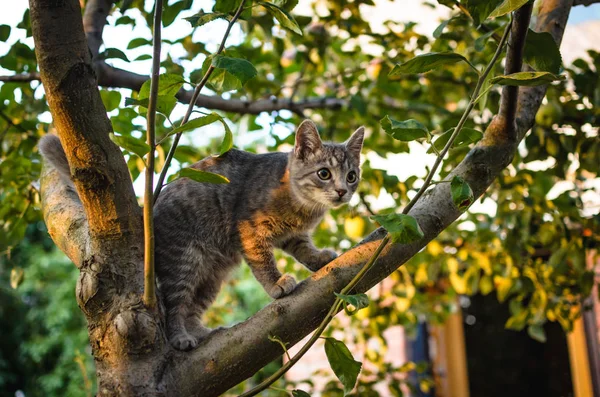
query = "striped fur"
{"x": 274, "y": 200}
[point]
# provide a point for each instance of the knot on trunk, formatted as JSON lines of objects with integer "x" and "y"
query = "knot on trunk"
{"x": 138, "y": 330}
{"x": 93, "y": 293}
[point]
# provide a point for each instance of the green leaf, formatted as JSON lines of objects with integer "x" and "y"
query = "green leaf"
{"x": 4, "y": 32}
{"x": 111, "y": 99}
{"x": 202, "y": 18}
{"x": 131, "y": 144}
{"x": 238, "y": 67}
{"x": 353, "y": 303}
{"x": 287, "y": 5}
{"x": 195, "y": 123}
{"x": 440, "y": 29}
{"x": 426, "y": 62}
{"x": 164, "y": 104}
{"x": 283, "y": 17}
{"x": 171, "y": 11}
{"x": 529, "y": 79}
{"x": 227, "y": 143}
{"x": 299, "y": 393}
{"x": 465, "y": 137}
{"x": 113, "y": 53}
{"x": 586, "y": 283}
{"x": 168, "y": 85}
{"x": 408, "y": 130}
{"x": 506, "y": 7}
{"x": 404, "y": 229}
{"x": 202, "y": 176}
{"x": 143, "y": 57}
{"x": 536, "y": 331}
{"x": 138, "y": 42}
{"x": 226, "y": 6}
{"x": 480, "y": 9}
{"x": 462, "y": 195}
{"x": 541, "y": 52}
{"x": 482, "y": 40}
{"x": 342, "y": 363}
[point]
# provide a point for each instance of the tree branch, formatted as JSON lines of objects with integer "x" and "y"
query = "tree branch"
{"x": 230, "y": 356}
{"x": 111, "y": 77}
{"x": 64, "y": 216}
{"x": 514, "y": 63}
{"x": 585, "y": 2}
{"x": 94, "y": 20}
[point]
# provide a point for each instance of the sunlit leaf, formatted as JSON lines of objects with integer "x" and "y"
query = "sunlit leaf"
{"x": 506, "y": 7}
{"x": 541, "y": 52}
{"x": 427, "y": 62}
{"x": 203, "y": 18}
{"x": 237, "y": 67}
{"x": 342, "y": 363}
{"x": 462, "y": 195}
{"x": 131, "y": 144}
{"x": 353, "y": 303}
{"x": 201, "y": 176}
{"x": 282, "y": 16}
{"x": 465, "y": 137}
{"x": 480, "y": 9}
{"x": 111, "y": 99}
{"x": 168, "y": 85}
{"x": 195, "y": 124}
{"x": 403, "y": 229}
{"x": 408, "y": 130}
{"x": 529, "y": 79}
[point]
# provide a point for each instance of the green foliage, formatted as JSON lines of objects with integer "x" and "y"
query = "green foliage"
{"x": 408, "y": 130}
{"x": 404, "y": 229}
{"x": 527, "y": 79}
{"x": 353, "y": 303}
{"x": 462, "y": 195}
{"x": 427, "y": 62}
{"x": 342, "y": 363}
{"x": 541, "y": 52}
{"x": 44, "y": 348}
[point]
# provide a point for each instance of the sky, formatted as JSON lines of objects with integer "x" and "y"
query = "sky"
{"x": 579, "y": 36}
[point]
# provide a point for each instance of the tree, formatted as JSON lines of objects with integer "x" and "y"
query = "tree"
{"x": 101, "y": 230}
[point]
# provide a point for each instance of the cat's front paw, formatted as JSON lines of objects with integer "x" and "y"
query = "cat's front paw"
{"x": 324, "y": 257}
{"x": 284, "y": 286}
{"x": 183, "y": 341}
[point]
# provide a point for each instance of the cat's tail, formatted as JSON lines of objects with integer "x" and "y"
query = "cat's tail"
{"x": 54, "y": 153}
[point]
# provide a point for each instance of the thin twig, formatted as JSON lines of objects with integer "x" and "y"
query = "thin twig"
{"x": 197, "y": 90}
{"x": 149, "y": 293}
{"x": 10, "y": 122}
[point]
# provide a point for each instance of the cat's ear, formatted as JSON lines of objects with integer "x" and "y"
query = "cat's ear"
{"x": 355, "y": 143}
{"x": 307, "y": 140}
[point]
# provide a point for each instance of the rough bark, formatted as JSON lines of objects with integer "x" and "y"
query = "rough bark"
{"x": 101, "y": 230}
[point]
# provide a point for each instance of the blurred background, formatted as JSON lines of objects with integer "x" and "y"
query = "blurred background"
{"x": 503, "y": 302}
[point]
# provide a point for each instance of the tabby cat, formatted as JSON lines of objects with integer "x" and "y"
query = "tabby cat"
{"x": 273, "y": 200}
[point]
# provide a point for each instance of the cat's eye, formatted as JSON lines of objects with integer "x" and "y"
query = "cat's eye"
{"x": 324, "y": 174}
{"x": 351, "y": 177}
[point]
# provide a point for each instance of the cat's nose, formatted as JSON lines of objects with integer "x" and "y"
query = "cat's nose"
{"x": 341, "y": 192}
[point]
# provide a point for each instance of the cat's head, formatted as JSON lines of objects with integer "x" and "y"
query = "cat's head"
{"x": 324, "y": 174}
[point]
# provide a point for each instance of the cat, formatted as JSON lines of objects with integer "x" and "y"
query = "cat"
{"x": 273, "y": 200}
